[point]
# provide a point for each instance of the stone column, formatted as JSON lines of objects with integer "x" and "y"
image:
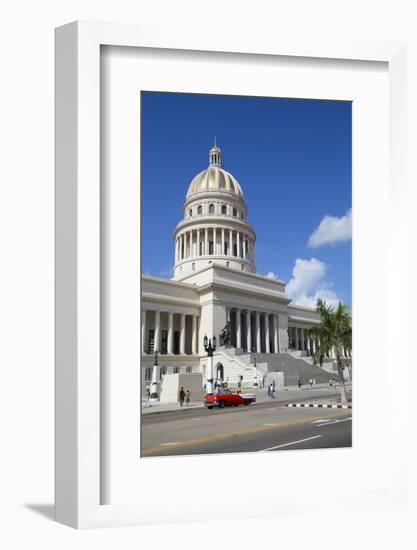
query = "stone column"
{"x": 144, "y": 331}
{"x": 238, "y": 330}
{"x": 267, "y": 344}
{"x": 182, "y": 334}
{"x": 230, "y": 242}
{"x": 258, "y": 333}
{"x": 170, "y": 333}
{"x": 157, "y": 333}
{"x": 206, "y": 242}
{"x": 276, "y": 337}
{"x": 195, "y": 336}
{"x": 214, "y": 241}
{"x": 198, "y": 243}
{"x": 222, "y": 242}
{"x": 248, "y": 332}
{"x": 238, "y": 243}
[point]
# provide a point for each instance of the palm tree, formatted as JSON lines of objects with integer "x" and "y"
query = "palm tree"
{"x": 334, "y": 335}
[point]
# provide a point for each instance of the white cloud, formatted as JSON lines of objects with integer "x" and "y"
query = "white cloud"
{"x": 332, "y": 230}
{"x": 308, "y": 283}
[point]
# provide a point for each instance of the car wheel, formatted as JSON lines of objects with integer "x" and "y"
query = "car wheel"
{"x": 237, "y": 405}
{"x": 247, "y": 403}
{"x": 210, "y": 407}
{"x": 221, "y": 404}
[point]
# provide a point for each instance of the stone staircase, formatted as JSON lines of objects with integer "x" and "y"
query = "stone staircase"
{"x": 284, "y": 368}
{"x": 294, "y": 368}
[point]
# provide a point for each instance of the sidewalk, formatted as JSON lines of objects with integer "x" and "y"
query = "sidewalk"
{"x": 292, "y": 392}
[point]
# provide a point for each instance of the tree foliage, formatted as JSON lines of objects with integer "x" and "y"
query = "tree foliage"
{"x": 333, "y": 337}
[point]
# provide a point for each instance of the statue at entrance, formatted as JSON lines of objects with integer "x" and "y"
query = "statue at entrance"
{"x": 225, "y": 335}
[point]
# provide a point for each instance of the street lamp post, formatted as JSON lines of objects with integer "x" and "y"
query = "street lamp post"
{"x": 209, "y": 348}
{"x": 154, "y": 384}
{"x": 255, "y": 377}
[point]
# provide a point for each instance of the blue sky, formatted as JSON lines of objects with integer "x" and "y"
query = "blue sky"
{"x": 293, "y": 160}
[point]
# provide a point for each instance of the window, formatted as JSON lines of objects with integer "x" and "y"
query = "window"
{"x": 189, "y": 369}
{"x": 234, "y": 212}
{"x": 190, "y": 212}
{"x": 200, "y": 209}
{"x": 176, "y": 342}
{"x": 201, "y": 248}
{"x": 148, "y": 372}
{"x": 227, "y": 264}
{"x": 151, "y": 336}
{"x": 211, "y": 209}
{"x": 164, "y": 342}
{"x": 224, "y": 209}
{"x": 193, "y": 266}
{"x": 176, "y": 370}
{"x": 211, "y": 248}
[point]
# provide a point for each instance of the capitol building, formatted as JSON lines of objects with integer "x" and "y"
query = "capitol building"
{"x": 215, "y": 283}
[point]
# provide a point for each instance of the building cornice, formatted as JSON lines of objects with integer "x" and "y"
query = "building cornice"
{"x": 168, "y": 300}
{"x": 173, "y": 282}
{"x": 241, "y": 291}
{"x": 228, "y": 270}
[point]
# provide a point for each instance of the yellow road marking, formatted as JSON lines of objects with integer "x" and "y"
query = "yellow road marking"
{"x": 226, "y": 435}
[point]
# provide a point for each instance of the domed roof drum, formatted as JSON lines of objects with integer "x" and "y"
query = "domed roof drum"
{"x": 214, "y": 178}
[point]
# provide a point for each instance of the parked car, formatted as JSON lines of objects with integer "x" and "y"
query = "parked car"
{"x": 228, "y": 398}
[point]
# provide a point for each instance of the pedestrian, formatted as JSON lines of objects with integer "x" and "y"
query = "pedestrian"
{"x": 330, "y": 383}
{"x": 187, "y": 397}
{"x": 269, "y": 390}
{"x": 299, "y": 383}
{"x": 148, "y": 398}
{"x": 182, "y": 396}
{"x": 311, "y": 382}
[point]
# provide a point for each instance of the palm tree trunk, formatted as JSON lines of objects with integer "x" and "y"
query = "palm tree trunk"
{"x": 343, "y": 394}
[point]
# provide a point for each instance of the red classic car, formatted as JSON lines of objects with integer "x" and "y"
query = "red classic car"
{"x": 227, "y": 398}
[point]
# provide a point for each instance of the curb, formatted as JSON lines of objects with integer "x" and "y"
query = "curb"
{"x": 319, "y": 405}
{"x": 185, "y": 409}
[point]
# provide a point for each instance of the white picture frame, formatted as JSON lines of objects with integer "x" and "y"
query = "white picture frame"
{"x": 78, "y": 426}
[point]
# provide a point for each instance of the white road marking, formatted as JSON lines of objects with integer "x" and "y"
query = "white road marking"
{"x": 164, "y": 444}
{"x": 322, "y": 420}
{"x": 287, "y": 444}
{"x": 334, "y": 422}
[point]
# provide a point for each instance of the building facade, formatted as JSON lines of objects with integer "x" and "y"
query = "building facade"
{"x": 215, "y": 282}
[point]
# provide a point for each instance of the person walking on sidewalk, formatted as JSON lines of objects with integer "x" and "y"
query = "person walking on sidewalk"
{"x": 299, "y": 383}
{"x": 187, "y": 397}
{"x": 182, "y": 396}
{"x": 311, "y": 382}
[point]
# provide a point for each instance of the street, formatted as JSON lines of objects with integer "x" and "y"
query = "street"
{"x": 266, "y": 426}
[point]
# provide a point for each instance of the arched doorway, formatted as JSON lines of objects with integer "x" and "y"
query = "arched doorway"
{"x": 219, "y": 374}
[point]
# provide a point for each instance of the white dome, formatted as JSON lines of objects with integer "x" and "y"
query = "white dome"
{"x": 214, "y": 178}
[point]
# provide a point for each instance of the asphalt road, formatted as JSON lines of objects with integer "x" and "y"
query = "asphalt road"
{"x": 260, "y": 427}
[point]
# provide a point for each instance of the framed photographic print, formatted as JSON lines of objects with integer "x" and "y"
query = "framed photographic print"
{"x": 219, "y": 211}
